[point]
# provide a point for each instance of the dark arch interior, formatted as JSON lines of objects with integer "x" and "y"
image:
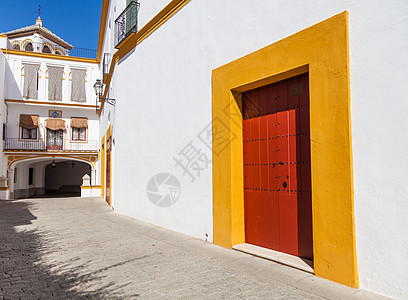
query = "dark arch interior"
{"x": 16, "y": 46}
{"x": 46, "y": 49}
{"x": 28, "y": 47}
{"x": 64, "y": 178}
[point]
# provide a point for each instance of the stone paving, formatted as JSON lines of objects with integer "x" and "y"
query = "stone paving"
{"x": 78, "y": 248}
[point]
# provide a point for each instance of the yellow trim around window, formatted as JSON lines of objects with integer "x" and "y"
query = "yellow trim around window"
{"x": 27, "y": 41}
{"x": 47, "y": 55}
{"x": 48, "y": 44}
{"x": 323, "y": 51}
{"x": 78, "y": 141}
{"x": 20, "y": 139}
{"x": 49, "y": 103}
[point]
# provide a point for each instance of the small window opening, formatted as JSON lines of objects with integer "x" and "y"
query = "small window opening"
{"x": 28, "y": 47}
{"x": 30, "y": 176}
{"x": 46, "y": 49}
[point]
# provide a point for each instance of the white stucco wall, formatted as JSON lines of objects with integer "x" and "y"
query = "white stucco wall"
{"x": 3, "y": 110}
{"x": 163, "y": 92}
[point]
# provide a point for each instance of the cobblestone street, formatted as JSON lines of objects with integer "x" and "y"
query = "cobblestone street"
{"x": 79, "y": 248}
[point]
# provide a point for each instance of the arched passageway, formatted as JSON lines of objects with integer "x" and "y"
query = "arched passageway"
{"x": 53, "y": 176}
{"x": 64, "y": 178}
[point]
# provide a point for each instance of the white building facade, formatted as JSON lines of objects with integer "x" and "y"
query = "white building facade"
{"x": 186, "y": 74}
{"x": 50, "y": 125}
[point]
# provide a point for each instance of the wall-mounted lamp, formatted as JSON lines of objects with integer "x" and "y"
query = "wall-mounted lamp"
{"x": 53, "y": 164}
{"x": 98, "y": 87}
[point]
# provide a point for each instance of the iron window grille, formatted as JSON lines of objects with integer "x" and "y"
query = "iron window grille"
{"x": 126, "y": 23}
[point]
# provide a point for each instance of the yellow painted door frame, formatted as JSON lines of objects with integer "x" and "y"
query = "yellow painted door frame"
{"x": 323, "y": 51}
{"x": 103, "y": 170}
{"x": 109, "y": 136}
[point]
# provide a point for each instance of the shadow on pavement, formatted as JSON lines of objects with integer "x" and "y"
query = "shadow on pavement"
{"x": 24, "y": 273}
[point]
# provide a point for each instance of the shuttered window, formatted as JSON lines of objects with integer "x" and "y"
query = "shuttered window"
{"x": 30, "y": 88}
{"x": 55, "y": 83}
{"x": 78, "y": 93}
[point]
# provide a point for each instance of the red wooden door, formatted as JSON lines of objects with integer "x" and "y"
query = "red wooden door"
{"x": 277, "y": 167}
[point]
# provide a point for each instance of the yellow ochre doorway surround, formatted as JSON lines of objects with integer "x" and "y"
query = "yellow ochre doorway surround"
{"x": 323, "y": 51}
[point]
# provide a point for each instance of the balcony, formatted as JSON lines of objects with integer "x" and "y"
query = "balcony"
{"x": 16, "y": 144}
{"x": 126, "y": 23}
{"x": 49, "y": 48}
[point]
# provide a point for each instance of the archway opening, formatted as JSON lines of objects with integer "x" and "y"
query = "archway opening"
{"x": 46, "y": 49}
{"x": 28, "y": 47}
{"x": 64, "y": 178}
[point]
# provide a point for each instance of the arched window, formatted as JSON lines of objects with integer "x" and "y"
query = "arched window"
{"x": 28, "y": 47}
{"x": 16, "y": 46}
{"x": 46, "y": 49}
{"x": 58, "y": 52}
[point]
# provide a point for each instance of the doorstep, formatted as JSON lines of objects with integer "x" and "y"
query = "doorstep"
{"x": 276, "y": 256}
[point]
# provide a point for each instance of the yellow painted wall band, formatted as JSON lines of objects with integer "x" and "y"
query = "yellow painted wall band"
{"x": 90, "y": 187}
{"x": 48, "y": 103}
{"x": 103, "y": 169}
{"x": 166, "y": 13}
{"x": 51, "y": 56}
{"x": 102, "y": 29}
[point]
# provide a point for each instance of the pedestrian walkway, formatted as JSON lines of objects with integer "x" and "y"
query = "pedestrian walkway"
{"x": 75, "y": 248}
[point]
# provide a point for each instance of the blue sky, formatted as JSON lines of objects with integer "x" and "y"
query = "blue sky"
{"x": 75, "y": 21}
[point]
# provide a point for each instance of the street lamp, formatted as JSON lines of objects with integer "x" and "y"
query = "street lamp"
{"x": 98, "y": 87}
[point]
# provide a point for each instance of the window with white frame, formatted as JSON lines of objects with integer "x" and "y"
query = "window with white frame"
{"x": 55, "y": 83}
{"x": 29, "y": 127}
{"x": 28, "y": 134}
{"x": 79, "y": 134}
{"x": 78, "y": 92}
{"x": 78, "y": 128}
{"x": 30, "y": 88}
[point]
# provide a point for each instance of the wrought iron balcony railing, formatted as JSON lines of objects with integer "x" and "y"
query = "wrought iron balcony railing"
{"x": 53, "y": 145}
{"x": 50, "y": 48}
{"x": 126, "y": 23}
